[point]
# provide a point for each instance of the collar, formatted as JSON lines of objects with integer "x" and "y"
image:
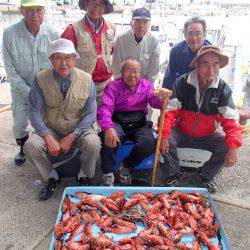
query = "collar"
{"x": 60, "y": 79}
{"x": 186, "y": 50}
{"x": 132, "y": 35}
{"x": 193, "y": 80}
{"x": 42, "y": 30}
{"x": 93, "y": 26}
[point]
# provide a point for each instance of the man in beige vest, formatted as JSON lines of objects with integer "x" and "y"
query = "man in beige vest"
{"x": 93, "y": 38}
{"x": 62, "y": 109}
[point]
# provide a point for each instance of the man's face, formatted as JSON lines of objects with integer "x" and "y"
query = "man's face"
{"x": 140, "y": 27}
{"x": 33, "y": 16}
{"x": 208, "y": 67}
{"x": 95, "y": 9}
{"x": 131, "y": 73}
{"x": 63, "y": 63}
{"x": 195, "y": 36}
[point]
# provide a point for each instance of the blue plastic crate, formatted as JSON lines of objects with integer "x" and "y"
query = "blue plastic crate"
{"x": 124, "y": 150}
{"x": 107, "y": 191}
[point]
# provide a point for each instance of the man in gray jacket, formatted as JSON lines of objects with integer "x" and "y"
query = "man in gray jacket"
{"x": 138, "y": 43}
{"x": 25, "y": 46}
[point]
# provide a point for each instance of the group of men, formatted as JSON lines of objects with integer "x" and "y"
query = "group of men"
{"x": 63, "y": 85}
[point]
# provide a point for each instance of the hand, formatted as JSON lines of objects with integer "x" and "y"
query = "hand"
{"x": 52, "y": 145}
{"x": 111, "y": 138}
{"x": 230, "y": 157}
{"x": 164, "y": 146}
{"x": 164, "y": 94}
{"x": 66, "y": 143}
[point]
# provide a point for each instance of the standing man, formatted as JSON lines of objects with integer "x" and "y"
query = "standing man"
{"x": 182, "y": 54}
{"x": 25, "y": 53}
{"x": 62, "y": 110}
{"x": 201, "y": 102}
{"x": 93, "y": 38}
{"x": 138, "y": 43}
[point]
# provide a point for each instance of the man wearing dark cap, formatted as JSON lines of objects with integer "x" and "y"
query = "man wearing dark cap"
{"x": 201, "y": 102}
{"x": 182, "y": 53}
{"x": 93, "y": 38}
{"x": 140, "y": 44}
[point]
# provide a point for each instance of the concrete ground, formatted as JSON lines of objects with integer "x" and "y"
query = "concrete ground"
{"x": 27, "y": 223}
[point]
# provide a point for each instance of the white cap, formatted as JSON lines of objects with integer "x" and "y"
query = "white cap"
{"x": 63, "y": 46}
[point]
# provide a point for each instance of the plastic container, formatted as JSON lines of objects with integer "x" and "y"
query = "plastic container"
{"x": 107, "y": 191}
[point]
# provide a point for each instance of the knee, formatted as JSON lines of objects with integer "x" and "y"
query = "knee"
{"x": 33, "y": 146}
{"x": 91, "y": 144}
{"x": 147, "y": 144}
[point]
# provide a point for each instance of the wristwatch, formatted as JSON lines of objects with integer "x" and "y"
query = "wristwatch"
{"x": 75, "y": 134}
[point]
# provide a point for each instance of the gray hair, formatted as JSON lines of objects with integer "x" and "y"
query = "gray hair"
{"x": 195, "y": 19}
{"x": 130, "y": 59}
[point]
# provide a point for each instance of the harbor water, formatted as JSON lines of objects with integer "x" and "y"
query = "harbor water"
{"x": 236, "y": 38}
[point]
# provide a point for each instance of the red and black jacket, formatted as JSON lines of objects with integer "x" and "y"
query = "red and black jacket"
{"x": 200, "y": 115}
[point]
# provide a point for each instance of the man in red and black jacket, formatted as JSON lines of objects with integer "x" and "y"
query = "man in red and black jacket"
{"x": 200, "y": 103}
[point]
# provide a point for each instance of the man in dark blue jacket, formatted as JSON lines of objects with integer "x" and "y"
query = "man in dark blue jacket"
{"x": 182, "y": 54}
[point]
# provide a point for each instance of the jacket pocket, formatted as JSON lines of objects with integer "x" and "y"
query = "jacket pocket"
{"x": 43, "y": 58}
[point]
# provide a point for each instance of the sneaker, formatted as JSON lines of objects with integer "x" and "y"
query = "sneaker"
{"x": 172, "y": 180}
{"x": 48, "y": 189}
{"x": 124, "y": 175}
{"x": 83, "y": 181}
{"x": 211, "y": 186}
{"x": 108, "y": 180}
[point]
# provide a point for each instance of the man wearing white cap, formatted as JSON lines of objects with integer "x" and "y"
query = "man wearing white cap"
{"x": 25, "y": 53}
{"x": 201, "y": 102}
{"x": 62, "y": 109}
{"x": 138, "y": 43}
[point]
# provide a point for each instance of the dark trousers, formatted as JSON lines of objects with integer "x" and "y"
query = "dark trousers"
{"x": 145, "y": 144}
{"x": 214, "y": 143}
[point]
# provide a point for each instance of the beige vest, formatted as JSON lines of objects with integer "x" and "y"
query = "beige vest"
{"x": 87, "y": 50}
{"x": 63, "y": 115}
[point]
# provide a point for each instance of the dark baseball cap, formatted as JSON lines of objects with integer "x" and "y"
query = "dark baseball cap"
{"x": 141, "y": 13}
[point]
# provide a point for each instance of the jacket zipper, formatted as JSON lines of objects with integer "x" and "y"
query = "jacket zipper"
{"x": 199, "y": 107}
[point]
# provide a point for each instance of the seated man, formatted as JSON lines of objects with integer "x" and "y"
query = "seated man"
{"x": 122, "y": 116}
{"x": 201, "y": 101}
{"x": 62, "y": 110}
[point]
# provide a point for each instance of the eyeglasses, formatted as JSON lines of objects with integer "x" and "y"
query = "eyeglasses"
{"x": 131, "y": 71}
{"x": 194, "y": 34}
{"x": 63, "y": 58}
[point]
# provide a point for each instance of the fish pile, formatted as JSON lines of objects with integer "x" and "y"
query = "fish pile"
{"x": 166, "y": 217}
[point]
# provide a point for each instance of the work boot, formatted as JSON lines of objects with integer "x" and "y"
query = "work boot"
{"x": 20, "y": 157}
{"x": 108, "y": 180}
{"x": 124, "y": 175}
{"x": 48, "y": 189}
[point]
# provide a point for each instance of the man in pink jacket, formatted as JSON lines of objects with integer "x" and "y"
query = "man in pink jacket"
{"x": 122, "y": 116}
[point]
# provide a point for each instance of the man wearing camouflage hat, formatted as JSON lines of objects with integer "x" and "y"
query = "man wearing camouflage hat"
{"x": 25, "y": 46}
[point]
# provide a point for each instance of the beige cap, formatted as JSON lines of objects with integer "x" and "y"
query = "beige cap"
{"x": 210, "y": 49}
